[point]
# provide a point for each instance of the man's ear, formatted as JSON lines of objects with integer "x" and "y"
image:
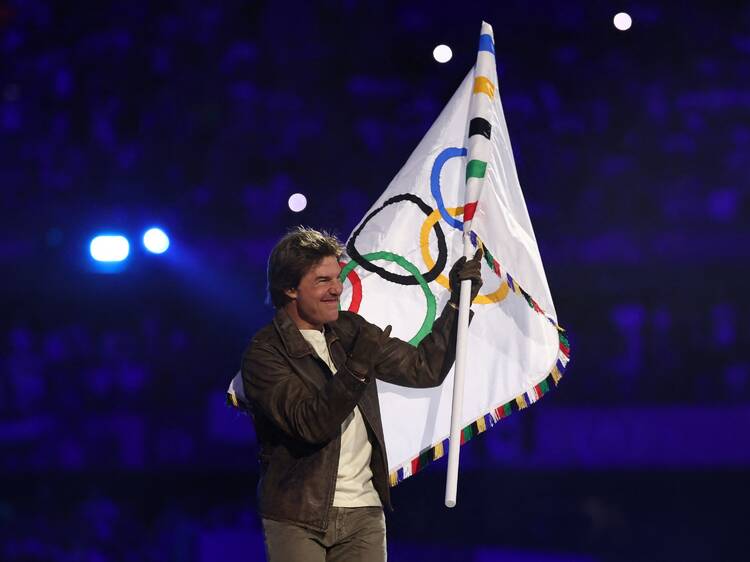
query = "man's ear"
{"x": 291, "y": 293}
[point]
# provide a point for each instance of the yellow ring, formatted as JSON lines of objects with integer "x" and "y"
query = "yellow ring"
{"x": 424, "y": 243}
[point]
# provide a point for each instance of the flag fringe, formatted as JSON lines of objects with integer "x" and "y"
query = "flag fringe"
{"x": 525, "y": 399}
{"x": 486, "y": 421}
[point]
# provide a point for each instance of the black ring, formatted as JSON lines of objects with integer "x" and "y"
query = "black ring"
{"x": 431, "y": 275}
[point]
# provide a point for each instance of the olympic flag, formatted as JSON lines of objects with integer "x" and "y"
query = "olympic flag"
{"x": 399, "y": 256}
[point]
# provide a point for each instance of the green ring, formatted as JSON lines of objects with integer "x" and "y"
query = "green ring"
{"x": 429, "y": 318}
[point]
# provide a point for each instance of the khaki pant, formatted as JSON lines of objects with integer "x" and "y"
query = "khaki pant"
{"x": 355, "y": 534}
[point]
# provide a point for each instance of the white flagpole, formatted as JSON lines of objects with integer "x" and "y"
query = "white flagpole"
{"x": 454, "y": 449}
{"x": 484, "y": 67}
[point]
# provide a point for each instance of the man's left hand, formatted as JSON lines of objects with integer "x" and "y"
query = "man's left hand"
{"x": 463, "y": 269}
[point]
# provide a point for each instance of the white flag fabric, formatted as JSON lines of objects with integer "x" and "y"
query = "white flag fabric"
{"x": 396, "y": 273}
{"x": 400, "y": 255}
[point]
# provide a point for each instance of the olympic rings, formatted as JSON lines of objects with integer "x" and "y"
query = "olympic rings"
{"x": 437, "y": 167}
{"x": 431, "y": 275}
{"x": 496, "y": 296}
{"x": 429, "y": 318}
{"x": 356, "y": 288}
{"x": 435, "y": 267}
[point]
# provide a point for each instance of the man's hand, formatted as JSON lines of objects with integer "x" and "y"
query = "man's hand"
{"x": 368, "y": 342}
{"x": 463, "y": 269}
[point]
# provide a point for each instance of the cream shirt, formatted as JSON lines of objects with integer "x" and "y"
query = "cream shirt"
{"x": 354, "y": 479}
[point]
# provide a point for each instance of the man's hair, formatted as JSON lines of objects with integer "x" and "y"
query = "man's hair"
{"x": 293, "y": 256}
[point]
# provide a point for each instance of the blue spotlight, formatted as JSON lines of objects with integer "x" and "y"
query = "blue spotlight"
{"x": 109, "y": 248}
{"x": 156, "y": 240}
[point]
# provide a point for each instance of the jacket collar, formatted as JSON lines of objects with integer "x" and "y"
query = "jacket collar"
{"x": 294, "y": 343}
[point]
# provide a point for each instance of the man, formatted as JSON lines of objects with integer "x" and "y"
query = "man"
{"x": 309, "y": 377}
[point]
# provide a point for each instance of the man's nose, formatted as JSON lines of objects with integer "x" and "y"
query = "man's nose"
{"x": 337, "y": 287}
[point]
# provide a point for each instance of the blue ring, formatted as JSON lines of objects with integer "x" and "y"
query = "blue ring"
{"x": 437, "y": 167}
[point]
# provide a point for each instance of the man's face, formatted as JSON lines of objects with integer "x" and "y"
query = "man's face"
{"x": 315, "y": 301}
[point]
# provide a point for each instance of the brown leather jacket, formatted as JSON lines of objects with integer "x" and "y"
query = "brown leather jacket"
{"x": 298, "y": 408}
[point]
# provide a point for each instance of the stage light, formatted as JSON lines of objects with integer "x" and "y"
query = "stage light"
{"x": 622, "y": 21}
{"x": 109, "y": 248}
{"x": 297, "y": 202}
{"x": 156, "y": 240}
{"x": 442, "y": 53}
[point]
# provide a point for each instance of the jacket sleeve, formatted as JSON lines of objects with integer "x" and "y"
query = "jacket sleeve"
{"x": 276, "y": 391}
{"x": 426, "y": 365}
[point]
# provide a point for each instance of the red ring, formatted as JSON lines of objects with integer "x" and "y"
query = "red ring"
{"x": 356, "y": 288}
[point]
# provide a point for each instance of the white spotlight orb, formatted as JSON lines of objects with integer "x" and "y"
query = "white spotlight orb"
{"x": 442, "y": 53}
{"x": 109, "y": 248}
{"x": 622, "y": 21}
{"x": 297, "y": 202}
{"x": 156, "y": 240}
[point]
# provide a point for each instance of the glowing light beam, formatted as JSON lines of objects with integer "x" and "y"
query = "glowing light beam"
{"x": 442, "y": 53}
{"x": 109, "y": 248}
{"x": 297, "y": 202}
{"x": 156, "y": 240}
{"x": 622, "y": 21}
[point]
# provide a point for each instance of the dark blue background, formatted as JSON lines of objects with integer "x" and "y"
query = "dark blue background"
{"x": 632, "y": 150}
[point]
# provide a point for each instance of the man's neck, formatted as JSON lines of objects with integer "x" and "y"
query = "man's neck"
{"x": 301, "y": 323}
